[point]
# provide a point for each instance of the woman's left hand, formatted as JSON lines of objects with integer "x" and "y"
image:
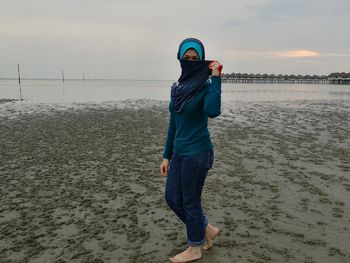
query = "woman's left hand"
{"x": 216, "y": 68}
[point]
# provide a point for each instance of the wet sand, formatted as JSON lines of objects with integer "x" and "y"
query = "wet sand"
{"x": 81, "y": 183}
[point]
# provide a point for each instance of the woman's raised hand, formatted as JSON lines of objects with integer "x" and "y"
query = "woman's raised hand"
{"x": 164, "y": 167}
{"x": 216, "y": 68}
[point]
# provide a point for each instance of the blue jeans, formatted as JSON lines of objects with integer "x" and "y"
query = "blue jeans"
{"x": 183, "y": 191}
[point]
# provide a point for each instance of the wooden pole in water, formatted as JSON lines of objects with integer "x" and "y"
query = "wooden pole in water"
{"x": 83, "y": 76}
{"x": 62, "y": 76}
{"x": 19, "y": 76}
{"x": 19, "y": 82}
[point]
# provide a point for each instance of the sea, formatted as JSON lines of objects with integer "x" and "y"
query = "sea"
{"x": 80, "y": 91}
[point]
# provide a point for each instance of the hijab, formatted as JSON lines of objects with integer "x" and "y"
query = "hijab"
{"x": 194, "y": 74}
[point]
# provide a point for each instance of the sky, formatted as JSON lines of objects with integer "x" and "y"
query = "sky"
{"x": 134, "y": 39}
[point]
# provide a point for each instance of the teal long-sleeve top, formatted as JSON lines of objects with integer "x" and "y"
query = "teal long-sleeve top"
{"x": 188, "y": 130}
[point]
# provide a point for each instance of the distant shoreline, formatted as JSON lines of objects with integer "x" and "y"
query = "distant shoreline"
{"x": 87, "y": 79}
{"x": 286, "y": 81}
{"x": 224, "y": 80}
{"x": 342, "y": 78}
{"x": 333, "y": 78}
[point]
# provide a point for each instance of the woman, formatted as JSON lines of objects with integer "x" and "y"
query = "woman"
{"x": 188, "y": 145}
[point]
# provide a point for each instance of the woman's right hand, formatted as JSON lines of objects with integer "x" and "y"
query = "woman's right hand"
{"x": 164, "y": 167}
{"x": 215, "y": 67}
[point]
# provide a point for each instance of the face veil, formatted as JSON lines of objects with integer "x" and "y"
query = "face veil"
{"x": 193, "y": 74}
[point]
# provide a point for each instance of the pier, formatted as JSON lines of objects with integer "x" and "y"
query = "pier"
{"x": 334, "y": 78}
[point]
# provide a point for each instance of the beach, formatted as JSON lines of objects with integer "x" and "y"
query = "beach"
{"x": 80, "y": 182}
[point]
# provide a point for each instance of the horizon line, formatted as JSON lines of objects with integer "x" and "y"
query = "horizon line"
{"x": 86, "y": 79}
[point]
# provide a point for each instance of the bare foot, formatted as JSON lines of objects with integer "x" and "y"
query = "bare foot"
{"x": 210, "y": 234}
{"x": 190, "y": 254}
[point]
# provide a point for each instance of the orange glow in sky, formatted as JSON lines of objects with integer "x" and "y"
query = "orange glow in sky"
{"x": 297, "y": 53}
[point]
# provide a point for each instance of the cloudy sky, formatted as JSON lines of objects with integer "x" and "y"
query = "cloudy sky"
{"x": 139, "y": 39}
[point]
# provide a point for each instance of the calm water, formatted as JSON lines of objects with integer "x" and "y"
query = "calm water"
{"x": 107, "y": 90}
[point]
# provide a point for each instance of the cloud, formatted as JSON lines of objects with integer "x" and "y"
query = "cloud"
{"x": 14, "y": 26}
{"x": 297, "y": 53}
{"x": 305, "y": 54}
{"x": 274, "y": 10}
{"x": 336, "y": 55}
{"x": 271, "y": 54}
{"x": 134, "y": 38}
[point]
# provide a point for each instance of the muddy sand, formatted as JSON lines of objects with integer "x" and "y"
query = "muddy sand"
{"x": 81, "y": 183}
